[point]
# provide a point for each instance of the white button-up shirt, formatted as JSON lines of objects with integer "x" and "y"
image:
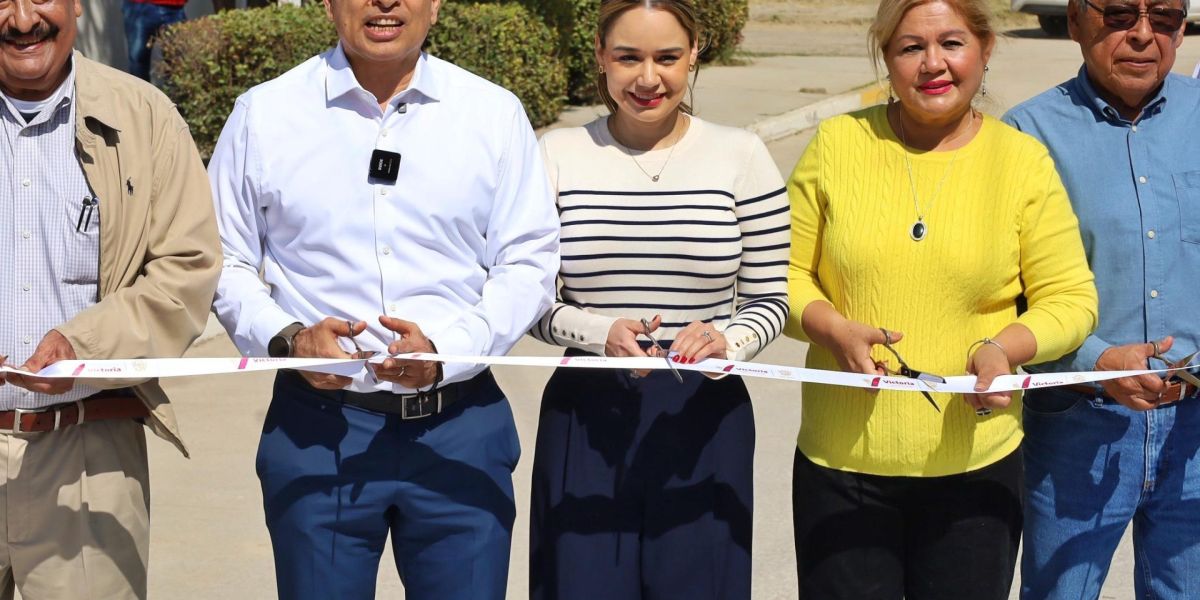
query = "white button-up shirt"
{"x": 49, "y": 237}
{"x": 464, "y": 242}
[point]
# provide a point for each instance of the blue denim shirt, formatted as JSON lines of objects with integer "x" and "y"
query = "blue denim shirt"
{"x": 1135, "y": 186}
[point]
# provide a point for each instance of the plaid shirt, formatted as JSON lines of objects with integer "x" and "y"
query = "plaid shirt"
{"x": 52, "y": 256}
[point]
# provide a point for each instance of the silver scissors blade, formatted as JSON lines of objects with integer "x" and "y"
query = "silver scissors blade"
{"x": 362, "y": 354}
{"x": 911, "y": 373}
{"x": 1186, "y": 361}
{"x": 930, "y": 378}
{"x": 666, "y": 355}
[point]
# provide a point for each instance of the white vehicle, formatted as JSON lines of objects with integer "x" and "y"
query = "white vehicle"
{"x": 1052, "y": 14}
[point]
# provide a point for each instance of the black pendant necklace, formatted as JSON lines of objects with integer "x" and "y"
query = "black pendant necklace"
{"x": 919, "y": 229}
{"x": 917, "y": 233}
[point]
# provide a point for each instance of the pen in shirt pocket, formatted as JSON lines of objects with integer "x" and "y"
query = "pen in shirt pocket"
{"x": 89, "y": 204}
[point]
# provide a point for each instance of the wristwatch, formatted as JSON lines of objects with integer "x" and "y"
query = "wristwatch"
{"x": 283, "y": 344}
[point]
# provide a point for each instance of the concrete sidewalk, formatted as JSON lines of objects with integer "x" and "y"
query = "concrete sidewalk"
{"x": 208, "y": 537}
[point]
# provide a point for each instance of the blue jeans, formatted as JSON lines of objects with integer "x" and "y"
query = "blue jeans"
{"x": 1093, "y": 466}
{"x": 142, "y": 22}
{"x": 337, "y": 480}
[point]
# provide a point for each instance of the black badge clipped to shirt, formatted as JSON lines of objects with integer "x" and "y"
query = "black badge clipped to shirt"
{"x": 385, "y": 166}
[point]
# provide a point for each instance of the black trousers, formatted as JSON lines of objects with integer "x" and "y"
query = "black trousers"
{"x": 642, "y": 488}
{"x": 872, "y": 537}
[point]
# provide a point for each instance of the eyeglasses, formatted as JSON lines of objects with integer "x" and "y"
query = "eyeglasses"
{"x": 907, "y": 371}
{"x": 1122, "y": 17}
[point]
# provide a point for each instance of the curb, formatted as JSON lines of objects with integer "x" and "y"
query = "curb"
{"x": 797, "y": 120}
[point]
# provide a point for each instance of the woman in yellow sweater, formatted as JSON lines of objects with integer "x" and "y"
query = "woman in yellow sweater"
{"x": 929, "y": 225}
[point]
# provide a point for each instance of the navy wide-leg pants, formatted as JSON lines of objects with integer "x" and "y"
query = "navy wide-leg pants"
{"x": 336, "y": 480}
{"x": 642, "y": 488}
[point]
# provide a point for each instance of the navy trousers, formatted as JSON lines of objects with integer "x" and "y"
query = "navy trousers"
{"x": 336, "y": 480}
{"x": 642, "y": 488}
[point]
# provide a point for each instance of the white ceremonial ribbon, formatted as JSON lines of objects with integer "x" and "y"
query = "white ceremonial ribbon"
{"x": 183, "y": 367}
{"x": 148, "y": 368}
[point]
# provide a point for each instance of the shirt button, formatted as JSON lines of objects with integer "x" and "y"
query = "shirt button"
{"x": 383, "y": 133}
{"x": 1142, "y": 179}
{"x": 1153, "y": 293}
{"x": 385, "y": 250}
{"x": 26, "y": 235}
{"x": 25, "y": 287}
{"x": 1150, "y": 234}
{"x": 28, "y": 339}
{"x": 26, "y": 182}
{"x": 392, "y": 308}
{"x": 382, "y": 191}
{"x": 1134, "y": 128}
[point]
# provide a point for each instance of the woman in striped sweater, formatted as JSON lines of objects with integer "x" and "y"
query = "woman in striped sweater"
{"x": 643, "y": 484}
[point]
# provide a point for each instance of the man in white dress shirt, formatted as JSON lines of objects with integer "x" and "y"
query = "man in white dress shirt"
{"x": 392, "y": 198}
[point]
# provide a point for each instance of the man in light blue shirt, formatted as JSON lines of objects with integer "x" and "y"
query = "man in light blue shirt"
{"x": 383, "y": 195}
{"x": 1123, "y": 135}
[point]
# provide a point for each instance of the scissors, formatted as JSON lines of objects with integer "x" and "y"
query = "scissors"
{"x": 907, "y": 371}
{"x": 363, "y": 354}
{"x": 1182, "y": 375}
{"x": 659, "y": 351}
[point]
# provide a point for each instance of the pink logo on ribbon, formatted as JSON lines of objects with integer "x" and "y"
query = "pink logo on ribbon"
{"x": 78, "y": 370}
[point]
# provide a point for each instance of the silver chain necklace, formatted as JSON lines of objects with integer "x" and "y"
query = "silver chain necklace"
{"x": 657, "y": 175}
{"x": 919, "y": 229}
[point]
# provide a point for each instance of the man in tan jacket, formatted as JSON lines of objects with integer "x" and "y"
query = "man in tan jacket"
{"x": 110, "y": 250}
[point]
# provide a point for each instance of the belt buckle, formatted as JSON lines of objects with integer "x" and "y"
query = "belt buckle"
{"x": 20, "y": 412}
{"x": 417, "y": 406}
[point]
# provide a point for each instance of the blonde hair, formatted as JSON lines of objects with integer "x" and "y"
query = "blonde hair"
{"x": 610, "y": 10}
{"x": 891, "y": 12}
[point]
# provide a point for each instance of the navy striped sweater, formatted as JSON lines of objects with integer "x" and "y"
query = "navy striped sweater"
{"x": 707, "y": 242}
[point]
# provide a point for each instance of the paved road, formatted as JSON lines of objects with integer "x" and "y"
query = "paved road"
{"x": 208, "y": 538}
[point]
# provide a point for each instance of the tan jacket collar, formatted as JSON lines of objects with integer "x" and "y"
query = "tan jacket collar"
{"x": 93, "y": 96}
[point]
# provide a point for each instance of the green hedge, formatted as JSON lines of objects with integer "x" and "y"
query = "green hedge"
{"x": 575, "y": 21}
{"x": 207, "y": 63}
{"x": 723, "y": 20}
{"x": 509, "y": 46}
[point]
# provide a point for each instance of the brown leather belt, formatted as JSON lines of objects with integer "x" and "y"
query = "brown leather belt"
{"x": 105, "y": 405}
{"x": 1174, "y": 392}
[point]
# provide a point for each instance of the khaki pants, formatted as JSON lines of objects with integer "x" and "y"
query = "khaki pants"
{"x": 76, "y": 512}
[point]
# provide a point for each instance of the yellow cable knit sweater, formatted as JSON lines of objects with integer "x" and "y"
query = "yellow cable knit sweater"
{"x": 1000, "y": 227}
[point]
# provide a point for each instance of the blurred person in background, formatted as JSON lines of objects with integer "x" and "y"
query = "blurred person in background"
{"x": 144, "y": 19}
